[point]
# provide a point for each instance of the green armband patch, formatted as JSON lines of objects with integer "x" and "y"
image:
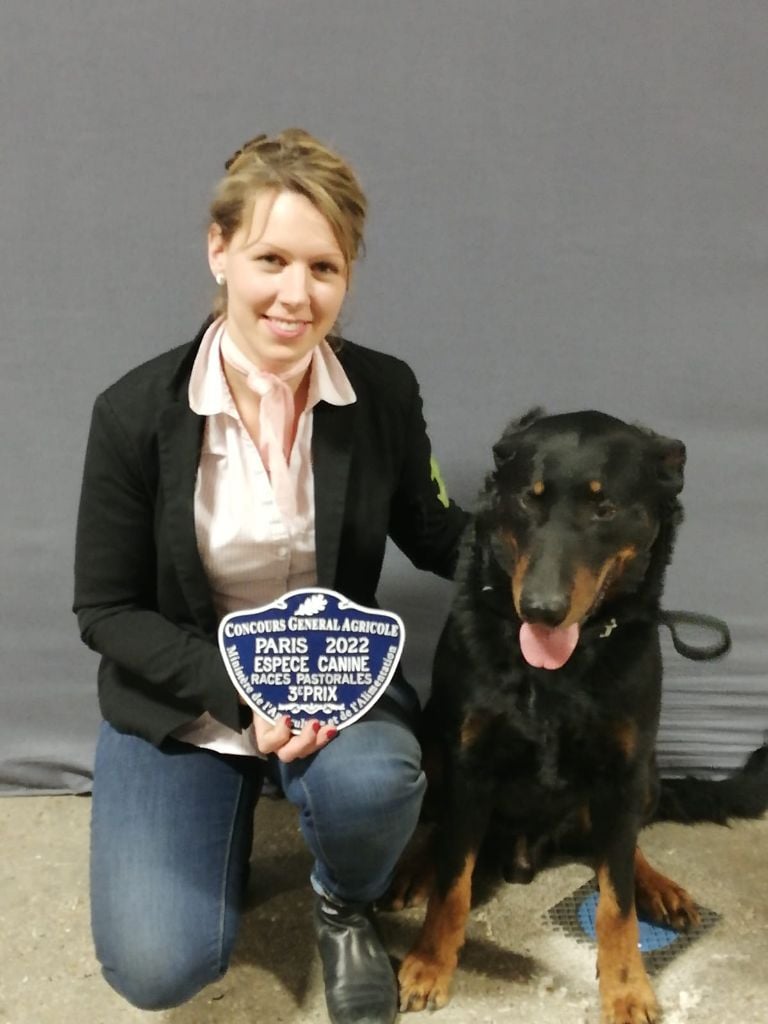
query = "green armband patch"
{"x": 442, "y": 493}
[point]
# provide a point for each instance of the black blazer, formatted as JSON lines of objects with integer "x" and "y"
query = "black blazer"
{"x": 141, "y": 594}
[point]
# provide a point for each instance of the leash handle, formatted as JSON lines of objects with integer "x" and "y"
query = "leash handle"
{"x": 673, "y": 619}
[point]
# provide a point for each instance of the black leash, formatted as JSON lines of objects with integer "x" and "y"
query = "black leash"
{"x": 672, "y": 620}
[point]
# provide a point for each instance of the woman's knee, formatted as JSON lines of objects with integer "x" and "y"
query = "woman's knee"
{"x": 151, "y": 977}
{"x": 370, "y": 773}
{"x": 385, "y": 783}
{"x": 159, "y": 944}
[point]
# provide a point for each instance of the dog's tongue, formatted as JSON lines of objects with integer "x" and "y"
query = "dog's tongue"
{"x": 544, "y": 647}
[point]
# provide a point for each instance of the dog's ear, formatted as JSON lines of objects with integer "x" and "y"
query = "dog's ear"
{"x": 504, "y": 449}
{"x": 525, "y": 421}
{"x": 670, "y": 455}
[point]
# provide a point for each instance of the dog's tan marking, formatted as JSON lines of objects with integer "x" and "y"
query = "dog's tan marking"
{"x": 538, "y": 488}
{"x": 595, "y": 486}
{"x": 473, "y": 727}
{"x": 585, "y": 819}
{"x": 661, "y": 898}
{"x": 426, "y": 973}
{"x": 625, "y": 734}
{"x": 518, "y": 579}
{"x": 625, "y": 992}
{"x": 510, "y": 538}
{"x": 588, "y": 586}
{"x": 615, "y": 566}
{"x": 625, "y": 555}
{"x": 507, "y": 558}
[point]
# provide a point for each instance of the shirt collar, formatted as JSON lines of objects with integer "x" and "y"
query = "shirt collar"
{"x": 209, "y": 393}
{"x": 328, "y": 381}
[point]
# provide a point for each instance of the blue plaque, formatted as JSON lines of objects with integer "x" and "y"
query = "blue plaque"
{"x": 311, "y": 654}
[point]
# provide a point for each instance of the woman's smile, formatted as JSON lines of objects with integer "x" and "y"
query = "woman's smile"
{"x": 287, "y": 328}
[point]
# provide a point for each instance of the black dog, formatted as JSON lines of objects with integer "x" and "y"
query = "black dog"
{"x": 542, "y": 720}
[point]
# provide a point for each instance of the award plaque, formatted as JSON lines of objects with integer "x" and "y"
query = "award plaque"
{"x": 312, "y": 654}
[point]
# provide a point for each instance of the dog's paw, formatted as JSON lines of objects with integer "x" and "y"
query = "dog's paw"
{"x": 413, "y": 882}
{"x": 636, "y": 1005}
{"x": 668, "y": 903}
{"x": 407, "y": 890}
{"x": 424, "y": 983}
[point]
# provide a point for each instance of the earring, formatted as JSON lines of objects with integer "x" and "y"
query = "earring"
{"x": 220, "y": 279}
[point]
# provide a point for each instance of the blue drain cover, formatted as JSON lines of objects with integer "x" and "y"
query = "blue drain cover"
{"x": 652, "y": 936}
{"x": 575, "y": 916}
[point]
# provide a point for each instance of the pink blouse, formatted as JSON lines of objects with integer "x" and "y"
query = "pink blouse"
{"x": 251, "y": 550}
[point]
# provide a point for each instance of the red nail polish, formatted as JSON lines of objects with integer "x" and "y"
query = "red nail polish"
{"x": 288, "y": 721}
{"x": 332, "y": 732}
{"x": 316, "y": 726}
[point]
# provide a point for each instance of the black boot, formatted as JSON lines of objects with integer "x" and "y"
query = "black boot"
{"x": 360, "y": 985}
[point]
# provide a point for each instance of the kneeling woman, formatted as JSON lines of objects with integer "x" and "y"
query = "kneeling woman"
{"x": 264, "y": 456}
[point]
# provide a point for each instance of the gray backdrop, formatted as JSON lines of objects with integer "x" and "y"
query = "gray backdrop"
{"x": 568, "y": 208}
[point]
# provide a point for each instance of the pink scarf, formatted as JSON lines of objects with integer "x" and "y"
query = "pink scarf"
{"x": 276, "y": 413}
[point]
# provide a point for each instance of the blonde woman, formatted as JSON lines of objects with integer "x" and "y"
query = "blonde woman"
{"x": 264, "y": 456}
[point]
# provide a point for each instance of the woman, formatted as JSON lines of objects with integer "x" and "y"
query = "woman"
{"x": 262, "y": 457}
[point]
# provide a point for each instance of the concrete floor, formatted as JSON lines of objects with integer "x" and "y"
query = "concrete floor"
{"x": 515, "y": 967}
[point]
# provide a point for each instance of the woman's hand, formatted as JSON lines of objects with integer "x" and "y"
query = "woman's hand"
{"x": 277, "y": 738}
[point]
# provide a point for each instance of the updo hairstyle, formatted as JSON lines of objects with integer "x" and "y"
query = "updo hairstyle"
{"x": 293, "y": 161}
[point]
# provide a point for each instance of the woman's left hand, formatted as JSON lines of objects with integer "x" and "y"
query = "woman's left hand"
{"x": 277, "y": 738}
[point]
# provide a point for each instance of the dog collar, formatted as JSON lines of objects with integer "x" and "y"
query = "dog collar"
{"x": 673, "y": 620}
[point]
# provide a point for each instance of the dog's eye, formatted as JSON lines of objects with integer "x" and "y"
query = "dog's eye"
{"x": 604, "y": 512}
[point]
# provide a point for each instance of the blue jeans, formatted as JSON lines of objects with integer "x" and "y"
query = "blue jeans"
{"x": 171, "y": 835}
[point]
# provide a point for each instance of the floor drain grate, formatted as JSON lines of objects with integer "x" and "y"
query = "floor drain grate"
{"x": 575, "y": 916}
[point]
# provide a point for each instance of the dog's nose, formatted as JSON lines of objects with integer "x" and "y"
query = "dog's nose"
{"x": 545, "y": 608}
